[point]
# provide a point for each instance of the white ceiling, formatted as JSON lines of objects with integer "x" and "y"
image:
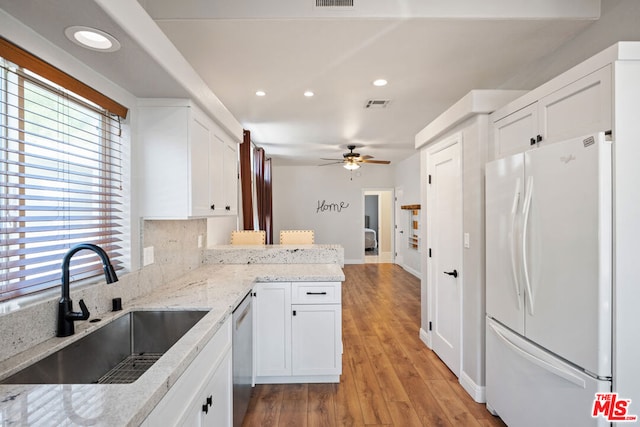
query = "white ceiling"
{"x": 430, "y": 60}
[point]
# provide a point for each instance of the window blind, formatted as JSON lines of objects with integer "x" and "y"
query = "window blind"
{"x": 61, "y": 178}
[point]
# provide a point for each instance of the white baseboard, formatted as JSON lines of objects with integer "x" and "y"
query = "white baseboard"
{"x": 425, "y": 337}
{"x": 476, "y": 391}
{"x": 411, "y": 270}
{"x": 354, "y": 261}
{"x": 491, "y": 410}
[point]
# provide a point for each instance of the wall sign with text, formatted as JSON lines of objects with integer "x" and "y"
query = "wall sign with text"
{"x": 324, "y": 206}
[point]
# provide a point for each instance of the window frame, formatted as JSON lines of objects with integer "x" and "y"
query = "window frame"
{"x": 78, "y": 90}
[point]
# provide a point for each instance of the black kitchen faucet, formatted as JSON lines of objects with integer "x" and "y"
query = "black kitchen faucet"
{"x": 66, "y": 315}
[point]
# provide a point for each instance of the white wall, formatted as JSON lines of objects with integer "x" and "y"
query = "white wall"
{"x": 407, "y": 178}
{"x": 299, "y": 190}
{"x": 619, "y": 21}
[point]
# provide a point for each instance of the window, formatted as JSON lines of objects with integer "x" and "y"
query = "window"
{"x": 61, "y": 179}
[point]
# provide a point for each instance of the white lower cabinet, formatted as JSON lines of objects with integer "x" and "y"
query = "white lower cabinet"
{"x": 202, "y": 396}
{"x": 298, "y": 332}
{"x": 212, "y": 407}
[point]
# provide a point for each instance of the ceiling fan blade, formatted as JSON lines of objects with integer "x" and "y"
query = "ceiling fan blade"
{"x": 333, "y": 163}
{"x": 366, "y": 157}
{"x": 379, "y": 162}
{"x": 337, "y": 160}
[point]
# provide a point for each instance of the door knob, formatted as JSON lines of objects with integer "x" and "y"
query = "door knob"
{"x": 453, "y": 273}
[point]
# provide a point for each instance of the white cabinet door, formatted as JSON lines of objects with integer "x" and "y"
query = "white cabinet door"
{"x": 230, "y": 178}
{"x": 513, "y": 133}
{"x": 273, "y": 329}
{"x": 213, "y": 406}
{"x": 316, "y": 339}
{"x": 577, "y": 109}
{"x": 200, "y": 157}
{"x": 217, "y": 174}
{"x": 163, "y": 162}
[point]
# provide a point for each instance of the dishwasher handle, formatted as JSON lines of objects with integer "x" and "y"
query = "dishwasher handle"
{"x": 245, "y": 307}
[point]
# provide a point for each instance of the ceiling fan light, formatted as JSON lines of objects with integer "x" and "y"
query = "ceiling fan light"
{"x": 351, "y": 166}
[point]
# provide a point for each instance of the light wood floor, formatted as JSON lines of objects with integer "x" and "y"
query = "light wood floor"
{"x": 389, "y": 377}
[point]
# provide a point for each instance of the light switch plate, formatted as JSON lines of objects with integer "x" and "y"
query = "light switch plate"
{"x": 466, "y": 240}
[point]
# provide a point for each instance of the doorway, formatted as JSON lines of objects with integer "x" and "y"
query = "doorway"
{"x": 378, "y": 226}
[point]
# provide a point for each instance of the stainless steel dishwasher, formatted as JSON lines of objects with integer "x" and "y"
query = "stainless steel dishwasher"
{"x": 242, "y": 358}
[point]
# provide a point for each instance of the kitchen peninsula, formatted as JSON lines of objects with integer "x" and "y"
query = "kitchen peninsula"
{"x": 226, "y": 275}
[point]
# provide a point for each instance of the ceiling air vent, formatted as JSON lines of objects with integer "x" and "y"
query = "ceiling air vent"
{"x": 334, "y": 3}
{"x": 377, "y": 103}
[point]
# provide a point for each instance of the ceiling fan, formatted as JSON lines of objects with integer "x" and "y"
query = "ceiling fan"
{"x": 352, "y": 160}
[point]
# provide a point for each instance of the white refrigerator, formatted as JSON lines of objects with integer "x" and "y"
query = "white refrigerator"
{"x": 549, "y": 283}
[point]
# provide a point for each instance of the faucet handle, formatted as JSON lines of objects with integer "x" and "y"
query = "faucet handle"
{"x": 85, "y": 311}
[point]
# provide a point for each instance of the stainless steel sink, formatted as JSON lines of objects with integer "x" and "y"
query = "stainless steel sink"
{"x": 117, "y": 353}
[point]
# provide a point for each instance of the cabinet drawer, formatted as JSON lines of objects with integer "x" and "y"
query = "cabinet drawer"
{"x": 316, "y": 293}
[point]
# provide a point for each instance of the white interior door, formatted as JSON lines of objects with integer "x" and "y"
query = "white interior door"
{"x": 444, "y": 235}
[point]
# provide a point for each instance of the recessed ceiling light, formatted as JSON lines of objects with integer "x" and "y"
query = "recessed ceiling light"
{"x": 260, "y": 93}
{"x": 308, "y": 94}
{"x": 92, "y": 38}
{"x": 380, "y": 82}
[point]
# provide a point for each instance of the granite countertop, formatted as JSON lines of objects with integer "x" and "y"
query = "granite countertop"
{"x": 218, "y": 288}
{"x": 275, "y": 254}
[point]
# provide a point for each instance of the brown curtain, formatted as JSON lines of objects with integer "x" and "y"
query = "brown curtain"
{"x": 245, "y": 181}
{"x": 268, "y": 212}
{"x": 262, "y": 174}
{"x": 259, "y": 173}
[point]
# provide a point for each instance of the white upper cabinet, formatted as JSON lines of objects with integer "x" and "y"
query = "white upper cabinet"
{"x": 513, "y": 133}
{"x": 578, "y": 108}
{"x": 186, "y": 169}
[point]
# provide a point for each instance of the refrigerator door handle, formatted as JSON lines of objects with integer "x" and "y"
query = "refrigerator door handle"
{"x": 526, "y": 209}
{"x": 562, "y": 373}
{"x": 512, "y": 249}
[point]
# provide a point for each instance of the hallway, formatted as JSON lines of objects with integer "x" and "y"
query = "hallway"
{"x": 389, "y": 376}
